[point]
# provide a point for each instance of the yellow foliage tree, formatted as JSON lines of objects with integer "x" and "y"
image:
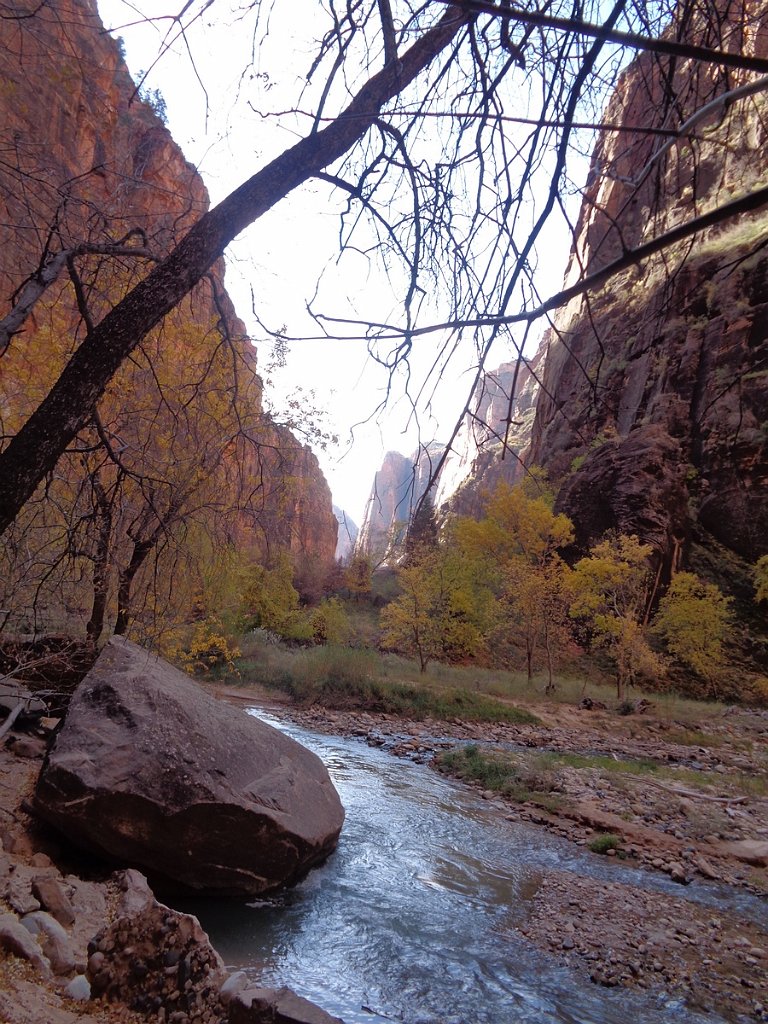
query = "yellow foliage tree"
{"x": 694, "y": 618}
{"x": 518, "y": 541}
{"x": 270, "y": 600}
{"x": 608, "y": 591}
{"x": 442, "y": 612}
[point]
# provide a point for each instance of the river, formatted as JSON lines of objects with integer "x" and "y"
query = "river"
{"x": 413, "y": 917}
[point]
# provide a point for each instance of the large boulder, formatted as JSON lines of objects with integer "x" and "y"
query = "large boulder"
{"x": 150, "y": 770}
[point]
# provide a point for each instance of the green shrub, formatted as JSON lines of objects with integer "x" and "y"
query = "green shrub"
{"x": 514, "y": 777}
{"x": 604, "y": 842}
{"x": 330, "y": 623}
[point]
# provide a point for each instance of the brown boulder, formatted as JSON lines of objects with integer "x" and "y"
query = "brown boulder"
{"x": 150, "y": 770}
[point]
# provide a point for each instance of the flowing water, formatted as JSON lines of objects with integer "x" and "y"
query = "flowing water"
{"x": 413, "y": 917}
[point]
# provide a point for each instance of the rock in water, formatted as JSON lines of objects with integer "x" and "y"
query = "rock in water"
{"x": 150, "y": 770}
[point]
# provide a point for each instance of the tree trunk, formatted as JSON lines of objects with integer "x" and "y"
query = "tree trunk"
{"x": 95, "y": 624}
{"x": 34, "y": 451}
{"x": 141, "y": 550}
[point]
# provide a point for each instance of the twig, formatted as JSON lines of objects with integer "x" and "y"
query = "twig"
{"x": 6, "y": 726}
{"x": 688, "y": 792}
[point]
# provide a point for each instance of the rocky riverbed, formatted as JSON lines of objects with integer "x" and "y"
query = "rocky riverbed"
{"x": 686, "y": 799}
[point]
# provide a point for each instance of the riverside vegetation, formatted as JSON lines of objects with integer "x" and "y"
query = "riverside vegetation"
{"x": 524, "y": 705}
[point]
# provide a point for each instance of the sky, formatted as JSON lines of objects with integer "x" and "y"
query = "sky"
{"x": 213, "y": 115}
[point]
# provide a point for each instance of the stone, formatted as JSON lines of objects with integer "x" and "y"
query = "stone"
{"x": 136, "y": 892}
{"x": 129, "y": 961}
{"x": 18, "y": 893}
{"x": 233, "y": 985}
{"x": 30, "y": 747}
{"x": 150, "y": 770}
{"x": 12, "y": 692}
{"x": 53, "y": 898}
{"x": 677, "y": 872}
{"x": 751, "y": 851}
{"x": 79, "y": 989}
{"x": 278, "y": 1006}
{"x": 705, "y": 868}
{"x": 15, "y": 938}
{"x": 55, "y": 941}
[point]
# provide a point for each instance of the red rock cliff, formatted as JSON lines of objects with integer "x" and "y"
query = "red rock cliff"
{"x": 86, "y": 161}
{"x": 653, "y": 414}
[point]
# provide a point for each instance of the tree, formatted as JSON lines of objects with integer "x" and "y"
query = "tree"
{"x": 519, "y": 539}
{"x": 270, "y": 600}
{"x": 442, "y": 611}
{"x": 694, "y": 618}
{"x": 447, "y": 219}
{"x": 608, "y": 591}
{"x": 358, "y": 576}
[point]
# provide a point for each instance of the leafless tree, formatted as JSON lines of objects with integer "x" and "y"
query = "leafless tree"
{"x": 451, "y": 126}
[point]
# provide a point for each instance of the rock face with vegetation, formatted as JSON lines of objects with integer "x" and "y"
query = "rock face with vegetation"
{"x": 150, "y": 771}
{"x": 180, "y": 456}
{"x": 652, "y": 417}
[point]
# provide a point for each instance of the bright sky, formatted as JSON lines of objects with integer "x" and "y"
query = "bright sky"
{"x": 280, "y": 259}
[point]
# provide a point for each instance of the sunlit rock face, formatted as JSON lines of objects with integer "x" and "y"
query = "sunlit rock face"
{"x": 93, "y": 160}
{"x": 492, "y": 437}
{"x": 652, "y": 414}
{"x": 486, "y": 450}
{"x": 348, "y": 533}
{"x": 397, "y": 488}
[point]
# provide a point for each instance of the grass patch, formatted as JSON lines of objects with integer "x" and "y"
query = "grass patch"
{"x": 515, "y": 778}
{"x": 690, "y": 737}
{"x": 348, "y": 678}
{"x": 604, "y": 842}
{"x": 640, "y": 766}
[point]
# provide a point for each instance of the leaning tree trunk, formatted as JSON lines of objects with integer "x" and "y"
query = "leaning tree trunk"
{"x": 36, "y": 448}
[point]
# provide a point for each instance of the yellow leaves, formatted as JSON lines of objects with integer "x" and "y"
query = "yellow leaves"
{"x": 441, "y": 611}
{"x": 611, "y": 580}
{"x": 515, "y": 524}
{"x": 608, "y": 590}
{"x": 209, "y": 649}
{"x": 269, "y": 599}
{"x": 761, "y": 579}
{"x": 694, "y": 618}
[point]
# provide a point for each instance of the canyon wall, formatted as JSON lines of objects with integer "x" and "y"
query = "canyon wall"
{"x": 397, "y": 488}
{"x": 92, "y": 178}
{"x": 486, "y": 451}
{"x": 653, "y": 417}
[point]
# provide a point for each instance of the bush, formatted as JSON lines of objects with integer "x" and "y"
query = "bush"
{"x": 604, "y": 842}
{"x": 330, "y": 623}
{"x": 209, "y": 650}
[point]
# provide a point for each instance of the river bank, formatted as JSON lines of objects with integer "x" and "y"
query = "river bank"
{"x": 613, "y": 934}
{"x": 684, "y": 799}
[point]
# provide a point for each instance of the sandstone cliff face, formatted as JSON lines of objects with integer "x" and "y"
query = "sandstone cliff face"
{"x": 652, "y": 417}
{"x": 348, "y": 534}
{"x": 87, "y": 162}
{"x": 491, "y": 438}
{"x": 485, "y": 452}
{"x": 397, "y": 488}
